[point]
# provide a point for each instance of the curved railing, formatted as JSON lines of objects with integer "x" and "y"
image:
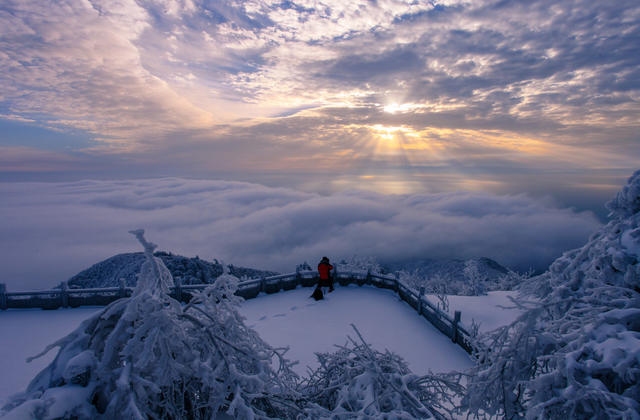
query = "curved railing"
{"x": 248, "y": 289}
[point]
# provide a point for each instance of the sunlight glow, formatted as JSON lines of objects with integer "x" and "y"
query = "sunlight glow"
{"x": 384, "y": 184}
{"x": 387, "y": 132}
{"x": 394, "y": 108}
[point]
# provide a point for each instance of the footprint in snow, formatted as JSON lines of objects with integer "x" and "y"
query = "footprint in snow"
{"x": 293, "y": 308}
{"x": 279, "y": 315}
{"x": 263, "y": 317}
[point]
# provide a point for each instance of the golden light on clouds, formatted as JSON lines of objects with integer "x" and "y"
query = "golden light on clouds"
{"x": 394, "y": 107}
{"x": 407, "y": 138}
{"x": 380, "y": 183}
{"x": 390, "y": 133}
{"x": 227, "y": 87}
{"x": 506, "y": 141}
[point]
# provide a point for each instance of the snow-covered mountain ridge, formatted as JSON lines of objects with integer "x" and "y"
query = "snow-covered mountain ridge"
{"x": 127, "y": 266}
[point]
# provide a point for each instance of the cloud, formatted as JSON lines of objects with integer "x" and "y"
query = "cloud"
{"x": 79, "y": 68}
{"x": 18, "y": 158}
{"x": 497, "y": 96}
{"x": 51, "y": 231}
{"x": 362, "y": 68}
{"x": 132, "y": 70}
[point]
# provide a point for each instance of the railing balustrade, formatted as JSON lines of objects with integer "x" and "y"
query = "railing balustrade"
{"x": 248, "y": 289}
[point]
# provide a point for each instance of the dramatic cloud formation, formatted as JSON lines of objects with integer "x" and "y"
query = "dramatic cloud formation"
{"x": 428, "y": 95}
{"x": 51, "y": 231}
{"x": 459, "y": 106}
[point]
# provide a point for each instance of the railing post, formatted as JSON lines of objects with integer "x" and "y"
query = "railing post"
{"x": 298, "y": 277}
{"x": 64, "y": 295}
{"x": 3, "y": 296}
{"x": 456, "y": 321}
{"x": 368, "y": 276}
{"x": 263, "y": 285}
{"x": 178, "y": 288}
{"x": 420, "y": 297}
{"x": 123, "y": 289}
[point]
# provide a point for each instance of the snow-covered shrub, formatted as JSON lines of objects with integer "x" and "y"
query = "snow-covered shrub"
{"x": 443, "y": 302}
{"x": 409, "y": 278}
{"x": 627, "y": 201}
{"x": 439, "y": 285}
{"x": 576, "y": 352}
{"x": 362, "y": 264}
{"x": 474, "y": 285}
{"x": 359, "y": 382}
{"x": 513, "y": 280}
{"x": 243, "y": 383}
{"x": 303, "y": 267}
{"x": 508, "y": 358}
{"x": 472, "y": 277}
{"x": 148, "y": 357}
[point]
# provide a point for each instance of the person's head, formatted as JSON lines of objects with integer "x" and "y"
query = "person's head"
{"x": 325, "y": 260}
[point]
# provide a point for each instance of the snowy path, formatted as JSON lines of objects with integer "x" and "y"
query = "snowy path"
{"x": 282, "y": 319}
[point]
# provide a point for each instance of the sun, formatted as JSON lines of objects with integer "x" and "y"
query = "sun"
{"x": 392, "y": 108}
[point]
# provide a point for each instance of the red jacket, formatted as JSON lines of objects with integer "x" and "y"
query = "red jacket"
{"x": 324, "y": 269}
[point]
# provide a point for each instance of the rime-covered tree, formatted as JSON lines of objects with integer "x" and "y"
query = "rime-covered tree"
{"x": 474, "y": 280}
{"x": 576, "y": 352}
{"x": 149, "y": 357}
{"x": 358, "y": 382}
{"x": 357, "y": 263}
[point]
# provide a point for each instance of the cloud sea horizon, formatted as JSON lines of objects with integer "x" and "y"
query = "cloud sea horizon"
{"x": 54, "y": 230}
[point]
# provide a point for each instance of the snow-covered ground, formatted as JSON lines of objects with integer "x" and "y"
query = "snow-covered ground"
{"x": 283, "y": 319}
{"x": 491, "y": 311}
{"x": 385, "y": 322}
{"x": 26, "y": 332}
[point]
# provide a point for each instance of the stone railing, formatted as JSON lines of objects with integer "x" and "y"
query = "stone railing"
{"x": 248, "y": 289}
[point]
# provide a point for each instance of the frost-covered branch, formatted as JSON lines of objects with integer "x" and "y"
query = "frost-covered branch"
{"x": 576, "y": 353}
{"x": 145, "y": 357}
{"x": 357, "y": 381}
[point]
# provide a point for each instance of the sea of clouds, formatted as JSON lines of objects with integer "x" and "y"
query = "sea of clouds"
{"x": 51, "y": 231}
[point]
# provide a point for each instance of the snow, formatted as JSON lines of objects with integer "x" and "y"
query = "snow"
{"x": 490, "y": 311}
{"x": 630, "y": 239}
{"x": 26, "y": 332}
{"x": 283, "y": 319}
{"x": 308, "y": 326}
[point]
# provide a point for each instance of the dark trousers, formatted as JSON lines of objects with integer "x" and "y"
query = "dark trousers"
{"x": 326, "y": 283}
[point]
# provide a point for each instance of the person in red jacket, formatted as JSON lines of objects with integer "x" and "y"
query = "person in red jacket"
{"x": 324, "y": 271}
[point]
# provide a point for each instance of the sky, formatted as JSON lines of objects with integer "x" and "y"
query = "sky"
{"x": 403, "y": 99}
